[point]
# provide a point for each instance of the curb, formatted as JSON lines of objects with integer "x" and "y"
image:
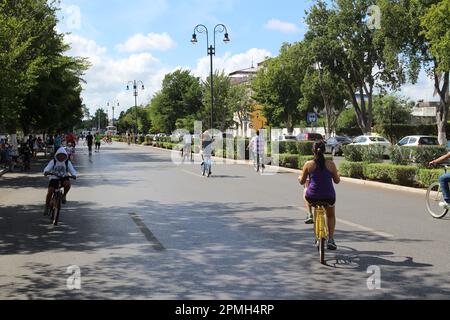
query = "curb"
{"x": 375, "y": 184}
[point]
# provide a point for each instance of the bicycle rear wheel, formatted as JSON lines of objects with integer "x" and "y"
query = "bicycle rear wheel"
{"x": 322, "y": 250}
{"x": 434, "y": 197}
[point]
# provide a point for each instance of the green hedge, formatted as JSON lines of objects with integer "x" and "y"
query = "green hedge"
{"x": 358, "y": 153}
{"x": 288, "y": 160}
{"x": 421, "y": 155}
{"x": 390, "y": 173}
{"x": 411, "y": 176}
{"x": 352, "y": 169}
{"x": 426, "y": 177}
{"x": 303, "y": 148}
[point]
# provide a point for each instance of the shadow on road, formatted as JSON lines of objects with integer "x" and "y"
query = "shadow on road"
{"x": 212, "y": 253}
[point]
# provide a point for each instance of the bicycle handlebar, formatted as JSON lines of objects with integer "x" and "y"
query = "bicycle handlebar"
{"x": 54, "y": 175}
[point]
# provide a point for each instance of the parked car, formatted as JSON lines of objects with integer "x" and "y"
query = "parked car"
{"x": 286, "y": 138}
{"x": 309, "y": 137}
{"x": 414, "y": 141}
{"x": 334, "y": 145}
{"x": 372, "y": 140}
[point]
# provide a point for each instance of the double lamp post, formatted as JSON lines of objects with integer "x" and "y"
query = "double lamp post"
{"x": 136, "y": 85}
{"x": 220, "y": 28}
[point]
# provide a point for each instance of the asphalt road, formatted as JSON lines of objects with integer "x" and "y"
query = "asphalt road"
{"x": 140, "y": 227}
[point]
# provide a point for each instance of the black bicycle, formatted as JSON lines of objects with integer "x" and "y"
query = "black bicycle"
{"x": 54, "y": 210}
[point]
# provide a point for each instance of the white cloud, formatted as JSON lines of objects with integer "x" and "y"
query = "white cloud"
{"x": 150, "y": 42}
{"x": 285, "y": 27}
{"x": 107, "y": 78}
{"x": 230, "y": 62}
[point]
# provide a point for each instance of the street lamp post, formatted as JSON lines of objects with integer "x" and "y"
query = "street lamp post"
{"x": 113, "y": 106}
{"x": 220, "y": 28}
{"x": 135, "y": 84}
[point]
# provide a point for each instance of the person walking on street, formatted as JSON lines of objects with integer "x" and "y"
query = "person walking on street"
{"x": 98, "y": 142}
{"x": 90, "y": 142}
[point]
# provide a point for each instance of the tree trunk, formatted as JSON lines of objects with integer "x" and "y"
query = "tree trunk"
{"x": 442, "y": 112}
{"x": 289, "y": 124}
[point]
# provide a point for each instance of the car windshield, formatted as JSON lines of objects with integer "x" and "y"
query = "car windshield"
{"x": 343, "y": 139}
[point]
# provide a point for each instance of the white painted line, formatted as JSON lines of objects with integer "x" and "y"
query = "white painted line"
{"x": 192, "y": 173}
{"x": 360, "y": 227}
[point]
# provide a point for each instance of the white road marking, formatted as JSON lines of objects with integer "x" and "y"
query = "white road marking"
{"x": 193, "y": 174}
{"x": 361, "y": 227}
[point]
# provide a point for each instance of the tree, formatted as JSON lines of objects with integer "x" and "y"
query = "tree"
{"x": 324, "y": 92}
{"x": 180, "y": 97}
{"x": 391, "y": 109}
{"x": 419, "y": 31}
{"x": 344, "y": 44}
{"x": 239, "y": 99}
{"x": 277, "y": 87}
{"x": 41, "y": 88}
{"x": 223, "y": 110}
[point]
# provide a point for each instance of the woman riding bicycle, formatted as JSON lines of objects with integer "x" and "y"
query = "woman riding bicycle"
{"x": 321, "y": 174}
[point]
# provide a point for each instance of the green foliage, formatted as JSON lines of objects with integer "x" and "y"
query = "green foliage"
{"x": 352, "y": 169}
{"x": 389, "y": 173}
{"x": 421, "y": 155}
{"x": 179, "y": 100}
{"x": 369, "y": 154}
{"x": 352, "y": 153}
{"x": 223, "y": 94}
{"x": 41, "y": 87}
{"x": 303, "y": 148}
{"x": 289, "y": 160}
{"x": 277, "y": 86}
{"x": 436, "y": 29}
{"x": 426, "y": 177}
{"x": 391, "y": 110}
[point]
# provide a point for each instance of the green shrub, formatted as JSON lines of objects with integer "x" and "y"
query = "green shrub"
{"x": 426, "y": 177}
{"x": 389, "y": 173}
{"x": 305, "y": 148}
{"x": 288, "y": 160}
{"x": 369, "y": 154}
{"x": 352, "y": 169}
{"x": 398, "y": 156}
{"x": 302, "y": 160}
{"x": 372, "y": 153}
{"x": 352, "y": 153}
{"x": 423, "y": 155}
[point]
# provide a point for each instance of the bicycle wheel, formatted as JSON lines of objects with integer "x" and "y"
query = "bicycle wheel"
{"x": 57, "y": 210}
{"x": 434, "y": 197}
{"x": 322, "y": 250}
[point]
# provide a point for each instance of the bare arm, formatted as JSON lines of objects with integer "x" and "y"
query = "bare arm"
{"x": 335, "y": 172}
{"x": 440, "y": 160}
{"x": 304, "y": 177}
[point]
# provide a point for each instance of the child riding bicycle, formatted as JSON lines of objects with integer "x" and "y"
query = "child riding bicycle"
{"x": 60, "y": 166}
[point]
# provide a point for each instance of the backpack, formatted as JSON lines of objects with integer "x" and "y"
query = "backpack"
{"x": 66, "y": 162}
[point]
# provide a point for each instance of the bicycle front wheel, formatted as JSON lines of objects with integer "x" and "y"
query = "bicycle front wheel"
{"x": 434, "y": 197}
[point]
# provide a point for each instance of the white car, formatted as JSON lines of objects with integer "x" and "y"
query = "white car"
{"x": 415, "y": 141}
{"x": 372, "y": 140}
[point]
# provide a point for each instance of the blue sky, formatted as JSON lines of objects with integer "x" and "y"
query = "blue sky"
{"x": 144, "y": 40}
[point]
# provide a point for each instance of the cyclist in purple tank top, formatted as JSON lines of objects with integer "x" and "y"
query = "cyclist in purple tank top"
{"x": 321, "y": 174}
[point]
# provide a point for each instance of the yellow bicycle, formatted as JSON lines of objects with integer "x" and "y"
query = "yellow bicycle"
{"x": 320, "y": 229}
